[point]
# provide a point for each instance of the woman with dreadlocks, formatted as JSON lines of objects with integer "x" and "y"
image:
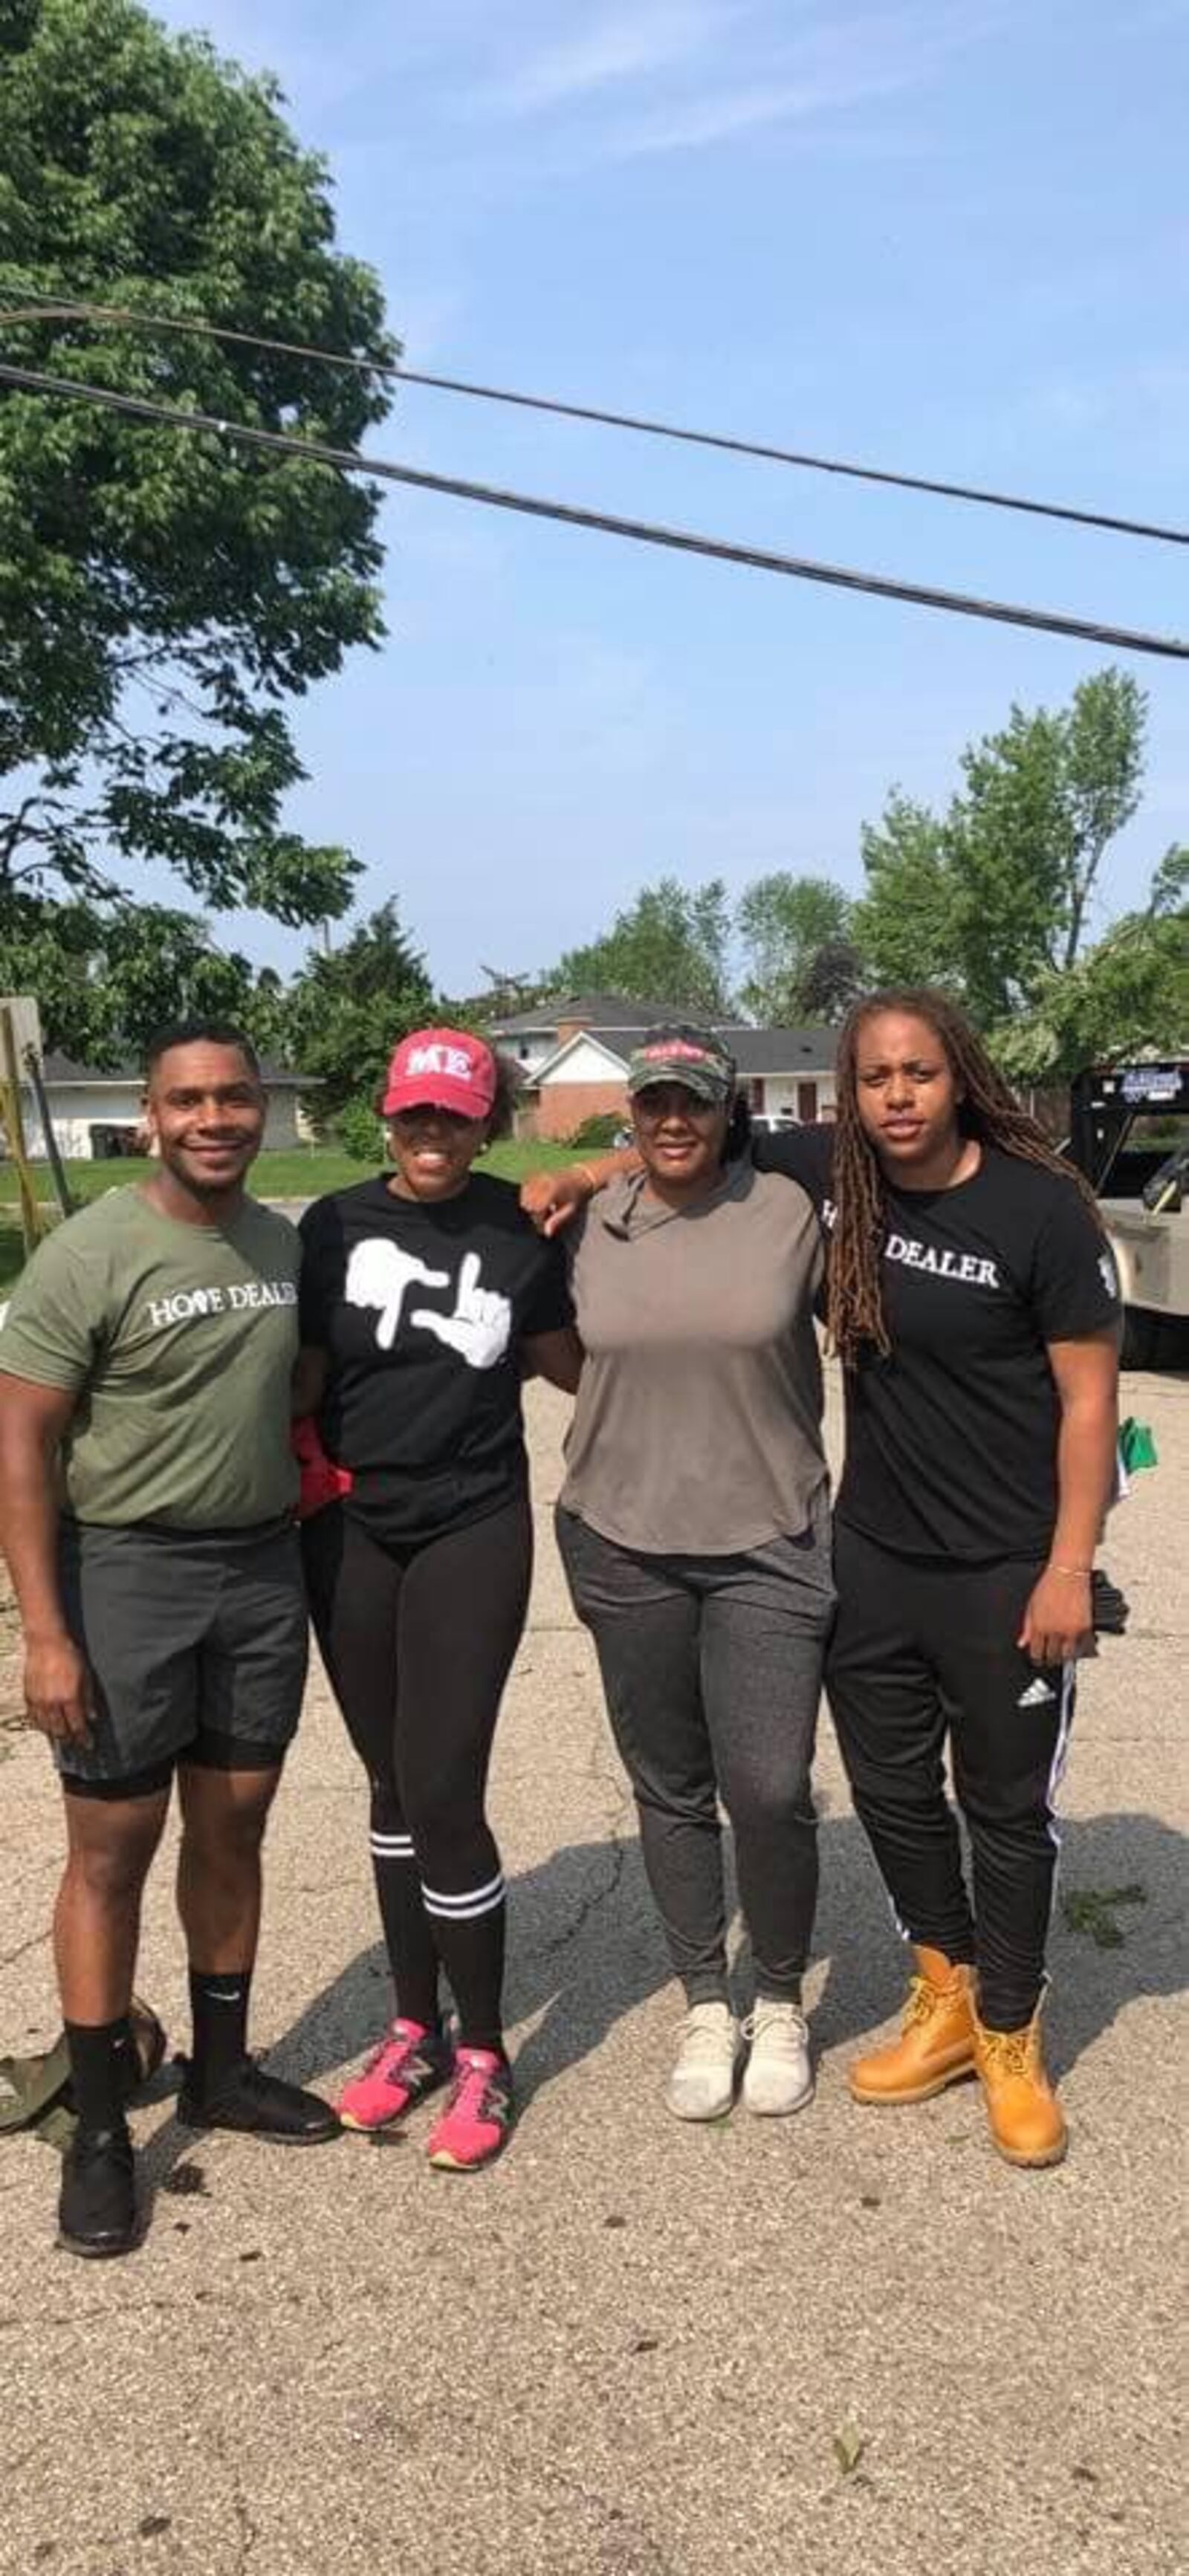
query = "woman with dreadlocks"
{"x": 973, "y": 1303}
{"x": 972, "y": 1300}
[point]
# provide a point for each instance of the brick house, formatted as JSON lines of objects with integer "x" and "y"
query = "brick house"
{"x": 573, "y": 1059}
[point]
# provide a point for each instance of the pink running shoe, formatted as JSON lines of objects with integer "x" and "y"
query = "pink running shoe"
{"x": 475, "y": 2123}
{"x": 409, "y": 2063}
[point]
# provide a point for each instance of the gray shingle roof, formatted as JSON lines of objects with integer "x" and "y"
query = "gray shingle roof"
{"x": 784, "y": 1050}
{"x": 599, "y": 1012}
{"x": 756, "y": 1051}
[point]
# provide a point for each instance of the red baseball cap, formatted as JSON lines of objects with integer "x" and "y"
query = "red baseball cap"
{"x": 441, "y": 1069}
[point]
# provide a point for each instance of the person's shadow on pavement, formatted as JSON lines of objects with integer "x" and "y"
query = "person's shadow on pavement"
{"x": 585, "y": 1950}
{"x": 1103, "y": 1955}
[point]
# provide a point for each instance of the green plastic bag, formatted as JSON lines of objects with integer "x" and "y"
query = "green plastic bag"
{"x": 1137, "y": 1448}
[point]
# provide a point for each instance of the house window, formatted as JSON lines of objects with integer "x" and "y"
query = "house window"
{"x": 109, "y": 1143}
{"x": 807, "y": 1103}
{"x": 755, "y": 1093}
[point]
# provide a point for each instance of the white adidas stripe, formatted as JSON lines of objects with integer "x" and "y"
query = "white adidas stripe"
{"x": 1069, "y": 1684}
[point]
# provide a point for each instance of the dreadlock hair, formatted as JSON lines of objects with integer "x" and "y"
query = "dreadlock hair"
{"x": 986, "y": 1109}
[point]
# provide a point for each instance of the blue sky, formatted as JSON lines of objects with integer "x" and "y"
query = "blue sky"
{"x": 952, "y": 239}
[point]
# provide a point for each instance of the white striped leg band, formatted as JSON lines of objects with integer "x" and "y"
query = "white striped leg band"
{"x": 392, "y": 1846}
{"x": 1069, "y": 1684}
{"x": 464, "y": 1907}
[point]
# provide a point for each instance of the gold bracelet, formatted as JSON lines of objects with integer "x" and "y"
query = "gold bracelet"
{"x": 1077, "y": 1572}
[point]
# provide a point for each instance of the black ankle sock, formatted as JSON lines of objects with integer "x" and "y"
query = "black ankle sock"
{"x": 99, "y": 2070}
{"x": 219, "y": 2005}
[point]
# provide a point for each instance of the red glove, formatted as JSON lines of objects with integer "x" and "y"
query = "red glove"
{"x": 322, "y": 1481}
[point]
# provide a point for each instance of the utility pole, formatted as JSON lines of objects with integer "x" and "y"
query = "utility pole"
{"x": 10, "y": 1110}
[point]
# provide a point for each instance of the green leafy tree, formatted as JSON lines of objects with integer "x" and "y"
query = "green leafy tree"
{"x": 1126, "y": 995}
{"x": 786, "y": 925}
{"x": 905, "y": 922}
{"x": 164, "y": 594}
{"x": 670, "y": 945}
{"x": 106, "y": 979}
{"x": 1170, "y": 884}
{"x": 347, "y": 1008}
{"x": 833, "y": 979}
{"x": 996, "y": 895}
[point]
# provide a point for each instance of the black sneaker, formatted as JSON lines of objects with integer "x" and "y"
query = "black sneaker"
{"x": 261, "y": 2106}
{"x": 97, "y": 2207}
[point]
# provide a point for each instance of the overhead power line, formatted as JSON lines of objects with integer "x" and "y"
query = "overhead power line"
{"x": 642, "y": 426}
{"x": 640, "y": 531}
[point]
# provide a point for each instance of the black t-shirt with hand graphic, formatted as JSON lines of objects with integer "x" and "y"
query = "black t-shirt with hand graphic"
{"x": 951, "y": 1443}
{"x": 421, "y": 1310}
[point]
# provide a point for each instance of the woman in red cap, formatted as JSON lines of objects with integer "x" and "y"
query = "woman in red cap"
{"x": 426, "y": 1295}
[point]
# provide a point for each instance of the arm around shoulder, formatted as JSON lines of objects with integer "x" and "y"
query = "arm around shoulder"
{"x": 801, "y": 1154}
{"x": 309, "y": 1381}
{"x": 553, "y": 1199}
{"x": 555, "y": 1356}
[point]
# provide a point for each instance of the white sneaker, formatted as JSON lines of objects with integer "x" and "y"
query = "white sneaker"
{"x": 702, "y": 2084}
{"x": 779, "y": 2077}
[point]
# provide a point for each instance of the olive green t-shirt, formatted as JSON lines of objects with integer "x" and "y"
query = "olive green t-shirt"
{"x": 178, "y": 1342}
{"x": 697, "y": 1429}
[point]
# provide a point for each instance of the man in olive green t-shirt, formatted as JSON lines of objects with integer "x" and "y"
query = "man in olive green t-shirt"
{"x": 146, "y": 1511}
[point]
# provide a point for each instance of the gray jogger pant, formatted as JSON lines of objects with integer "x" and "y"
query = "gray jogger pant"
{"x": 712, "y": 1669}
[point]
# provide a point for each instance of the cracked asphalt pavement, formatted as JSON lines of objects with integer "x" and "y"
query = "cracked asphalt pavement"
{"x": 633, "y": 2348}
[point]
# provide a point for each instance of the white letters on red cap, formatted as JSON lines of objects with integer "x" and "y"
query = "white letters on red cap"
{"x": 440, "y": 1059}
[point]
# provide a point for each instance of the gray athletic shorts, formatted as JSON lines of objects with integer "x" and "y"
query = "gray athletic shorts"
{"x": 197, "y": 1647}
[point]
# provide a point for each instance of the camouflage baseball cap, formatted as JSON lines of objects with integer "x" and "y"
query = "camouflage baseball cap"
{"x": 695, "y": 1058}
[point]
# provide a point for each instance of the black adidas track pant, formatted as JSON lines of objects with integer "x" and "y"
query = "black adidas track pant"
{"x": 924, "y": 1649}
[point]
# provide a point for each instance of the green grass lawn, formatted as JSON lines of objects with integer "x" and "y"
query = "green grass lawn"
{"x": 303, "y": 1174}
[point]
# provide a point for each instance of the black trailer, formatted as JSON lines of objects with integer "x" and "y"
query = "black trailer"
{"x": 1129, "y": 1134}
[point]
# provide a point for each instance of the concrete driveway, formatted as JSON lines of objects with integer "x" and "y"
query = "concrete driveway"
{"x": 849, "y": 2341}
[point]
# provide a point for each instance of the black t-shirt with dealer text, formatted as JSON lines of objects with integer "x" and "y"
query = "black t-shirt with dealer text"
{"x": 951, "y": 1443}
{"x": 421, "y": 1310}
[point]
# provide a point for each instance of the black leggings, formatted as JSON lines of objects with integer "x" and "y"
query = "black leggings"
{"x": 418, "y": 1643}
{"x": 924, "y": 1649}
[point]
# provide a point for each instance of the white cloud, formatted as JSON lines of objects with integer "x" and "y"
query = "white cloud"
{"x": 614, "y": 48}
{"x": 721, "y": 114}
{"x": 834, "y": 63}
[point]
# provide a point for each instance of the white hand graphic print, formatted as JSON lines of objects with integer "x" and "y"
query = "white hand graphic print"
{"x": 379, "y": 1274}
{"x": 481, "y": 1322}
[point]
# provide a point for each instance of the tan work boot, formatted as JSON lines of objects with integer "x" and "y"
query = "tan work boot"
{"x": 936, "y": 2043}
{"x": 1027, "y": 2121}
